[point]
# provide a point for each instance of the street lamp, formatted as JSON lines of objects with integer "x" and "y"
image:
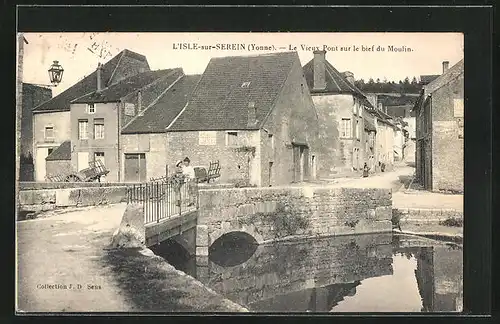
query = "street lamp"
{"x": 55, "y": 73}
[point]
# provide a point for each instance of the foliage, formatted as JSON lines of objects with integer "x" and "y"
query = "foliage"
{"x": 243, "y": 183}
{"x": 352, "y": 223}
{"x": 285, "y": 222}
{"x": 246, "y": 149}
{"x": 396, "y": 218}
{"x": 452, "y": 222}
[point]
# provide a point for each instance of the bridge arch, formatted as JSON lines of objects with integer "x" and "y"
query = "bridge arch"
{"x": 248, "y": 229}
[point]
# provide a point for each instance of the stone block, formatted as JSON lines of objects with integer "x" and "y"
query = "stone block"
{"x": 370, "y": 214}
{"x": 201, "y": 251}
{"x": 383, "y": 213}
{"x": 37, "y": 197}
{"x": 67, "y": 197}
{"x": 225, "y": 226}
{"x": 201, "y": 235}
{"x": 26, "y": 197}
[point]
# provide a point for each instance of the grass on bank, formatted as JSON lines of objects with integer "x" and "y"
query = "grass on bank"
{"x": 154, "y": 287}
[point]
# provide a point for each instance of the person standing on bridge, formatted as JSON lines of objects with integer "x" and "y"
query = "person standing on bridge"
{"x": 177, "y": 180}
{"x": 190, "y": 179}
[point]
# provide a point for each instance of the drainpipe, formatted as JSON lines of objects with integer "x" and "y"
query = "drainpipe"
{"x": 118, "y": 108}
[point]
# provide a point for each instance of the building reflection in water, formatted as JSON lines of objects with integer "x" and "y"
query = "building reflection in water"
{"x": 350, "y": 273}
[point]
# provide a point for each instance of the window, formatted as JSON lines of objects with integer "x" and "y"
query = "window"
{"x": 345, "y": 128}
{"x": 355, "y": 106}
{"x": 83, "y": 129}
{"x": 129, "y": 109}
{"x": 356, "y": 130}
{"x": 49, "y": 133}
{"x": 99, "y": 128}
{"x": 91, "y": 108}
{"x": 245, "y": 84}
{"x": 49, "y": 151}
{"x": 231, "y": 138}
{"x": 207, "y": 138}
{"x": 458, "y": 108}
{"x": 99, "y": 156}
{"x": 271, "y": 138}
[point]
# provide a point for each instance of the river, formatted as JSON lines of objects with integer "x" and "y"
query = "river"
{"x": 364, "y": 273}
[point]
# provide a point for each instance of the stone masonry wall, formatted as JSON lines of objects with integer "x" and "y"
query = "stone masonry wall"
{"x": 447, "y": 138}
{"x": 327, "y": 211}
{"x": 47, "y": 199}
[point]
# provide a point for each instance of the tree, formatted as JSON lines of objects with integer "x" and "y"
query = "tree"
{"x": 407, "y": 80}
{"x": 378, "y": 80}
{"x": 414, "y": 81}
{"x": 370, "y": 81}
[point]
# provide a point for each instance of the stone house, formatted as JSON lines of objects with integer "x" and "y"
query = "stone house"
{"x": 370, "y": 141}
{"x": 143, "y": 140}
{"x": 51, "y": 119}
{"x": 255, "y": 115}
{"x": 33, "y": 96}
{"x": 439, "y": 131}
{"x": 59, "y": 161}
{"x": 341, "y": 107}
{"x": 97, "y": 118}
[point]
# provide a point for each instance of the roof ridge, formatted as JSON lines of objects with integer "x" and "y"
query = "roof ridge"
{"x": 253, "y": 55}
{"x": 187, "y": 102}
{"x": 141, "y": 113}
{"x": 116, "y": 67}
{"x": 279, "y": 92}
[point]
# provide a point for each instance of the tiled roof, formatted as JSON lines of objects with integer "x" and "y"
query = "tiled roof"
{"x": 426, "y": 79}
{"x": 446, "y": 77}
{"x": 221, "y": 100}
{"x": 397, "y": 101}
{"x": 335, "y": 82}
{"x": 86, "y": 85}
{"x": 124, "y": 87}
{"x": 63, "y": 152}
{"x": 158, "y": 116}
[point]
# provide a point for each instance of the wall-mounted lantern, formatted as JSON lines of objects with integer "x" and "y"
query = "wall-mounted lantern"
{"x": 56, "y": 73}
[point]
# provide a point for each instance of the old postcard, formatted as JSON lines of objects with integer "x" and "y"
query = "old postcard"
{"x": 240, "y": 172}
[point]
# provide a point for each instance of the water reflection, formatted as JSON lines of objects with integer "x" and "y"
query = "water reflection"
{"x": 232, "y": 249}
{"x": 369, "y": 273}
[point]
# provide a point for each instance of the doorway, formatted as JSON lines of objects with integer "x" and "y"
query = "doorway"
{"x": 135, "y": 167}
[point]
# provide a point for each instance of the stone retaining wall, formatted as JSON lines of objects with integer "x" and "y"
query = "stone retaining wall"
{"x": 29, "y": 185}
{"x": 327, "y": 211}
{"x": 422, "y": 215}
{"x": 46, "y": 199}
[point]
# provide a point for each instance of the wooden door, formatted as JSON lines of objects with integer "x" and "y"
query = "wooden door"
{"x": 135, "y": 167}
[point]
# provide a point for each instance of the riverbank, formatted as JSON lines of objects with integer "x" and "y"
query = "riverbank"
{"x": 153, "y": 285}
{"x": 64, "y": 265}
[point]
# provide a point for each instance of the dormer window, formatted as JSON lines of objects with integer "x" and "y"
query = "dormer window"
{"x": 90, "y": 108}
{"x": 245, "y": 84}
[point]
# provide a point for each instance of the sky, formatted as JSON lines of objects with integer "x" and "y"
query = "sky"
{"x": 79, "y": 53}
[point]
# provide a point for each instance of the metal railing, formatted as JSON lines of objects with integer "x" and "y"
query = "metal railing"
{"x": 164, "y": 199}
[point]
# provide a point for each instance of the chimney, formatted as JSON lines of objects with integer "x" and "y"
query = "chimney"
{"x": 139, "y": 101}
{"x": 319, "y": 70}
{"x": 252, "y": 114}
{"x": 349, "y": 76}
{"x": 99, "y": 77}
{"x": 445, "y": 66}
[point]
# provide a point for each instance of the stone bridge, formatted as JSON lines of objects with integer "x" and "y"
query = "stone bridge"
{"x": 273, "y": 213}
